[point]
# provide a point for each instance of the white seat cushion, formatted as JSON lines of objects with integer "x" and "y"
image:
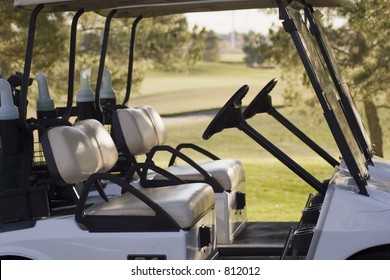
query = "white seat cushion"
{"x": 101, "y": 141}
{"x": 158, "y": 123}
{"x": 186, "y": 203}
{"x": 228, "y": 172}
{"x": 137, "y": 129}
{"x": 81, "y": 150}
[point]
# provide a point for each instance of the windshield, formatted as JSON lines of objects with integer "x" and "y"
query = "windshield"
{"x": 349, "y": 106}
{"x": 326, "y": 94}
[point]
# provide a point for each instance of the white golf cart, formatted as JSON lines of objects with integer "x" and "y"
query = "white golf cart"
{"x": 72, "y": 204}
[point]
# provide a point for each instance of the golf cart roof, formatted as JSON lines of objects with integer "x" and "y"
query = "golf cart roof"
{"x": 150, "y": 8}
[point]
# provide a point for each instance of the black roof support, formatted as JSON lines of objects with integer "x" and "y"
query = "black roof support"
{"x": 98, "y": 107}
{"x": 131, "y": 60}
{"x": 72, "y": 61}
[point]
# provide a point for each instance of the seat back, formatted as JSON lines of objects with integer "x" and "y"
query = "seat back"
{"x": 137, "y": 130}
{"x": 158, "y": 123}
{"x": 73, "y": 153}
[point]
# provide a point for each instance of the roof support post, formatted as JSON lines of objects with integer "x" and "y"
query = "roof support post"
{"x": 27, "y": 62}
{"x": 72, "y": 61}
{"x": 98, "y": 107}
{"x": 131, "y": 60}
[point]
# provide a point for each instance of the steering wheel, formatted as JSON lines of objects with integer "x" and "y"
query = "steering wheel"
{"x": 229, "y": 115}
{"x": 262, "y": 102}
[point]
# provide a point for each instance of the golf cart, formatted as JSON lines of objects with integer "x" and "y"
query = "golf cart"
{"x": 63, "y": 206}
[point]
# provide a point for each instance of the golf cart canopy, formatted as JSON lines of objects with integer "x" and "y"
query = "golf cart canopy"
{"x": 150, "y": 8}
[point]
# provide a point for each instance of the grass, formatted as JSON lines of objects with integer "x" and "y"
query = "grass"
{"x": 183, "y": 92}
{"x": 232, "y": 56}
{"x": 274, "y": 193}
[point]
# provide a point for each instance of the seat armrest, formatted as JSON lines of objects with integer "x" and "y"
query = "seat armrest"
{"x": 195, "y": 148}
{"x": 207, "y": 176}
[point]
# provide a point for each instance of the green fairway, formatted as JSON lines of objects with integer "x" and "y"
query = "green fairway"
{"x": 208, "y": 85}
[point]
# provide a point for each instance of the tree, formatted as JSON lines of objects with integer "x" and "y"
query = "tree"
{"x": 363, "y": 47}
{"x": 211, "y": 52}
{"x": 256, "y": 47}
{"x": 167, "y": 42}
{"x": 50, "y": 39}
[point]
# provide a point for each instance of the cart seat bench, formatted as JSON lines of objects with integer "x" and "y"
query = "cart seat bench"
{"x": 76, "y": 153}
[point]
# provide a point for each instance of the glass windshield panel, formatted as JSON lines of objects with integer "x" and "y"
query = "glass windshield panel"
{"x": 317, "y": 15}
{"x": 334, "y": 104}
{"x": 329, "y": 92}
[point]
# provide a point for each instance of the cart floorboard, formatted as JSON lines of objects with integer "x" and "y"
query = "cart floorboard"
{"x": 258, "y": 240}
